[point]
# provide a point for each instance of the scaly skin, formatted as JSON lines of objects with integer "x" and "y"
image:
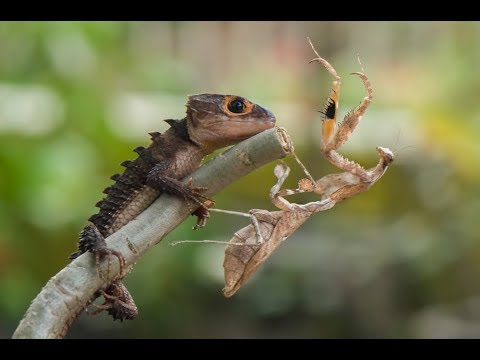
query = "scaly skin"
{"x": 212, "y": 122}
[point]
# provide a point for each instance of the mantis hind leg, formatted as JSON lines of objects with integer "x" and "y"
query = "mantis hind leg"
{"x": 255, "y": 215}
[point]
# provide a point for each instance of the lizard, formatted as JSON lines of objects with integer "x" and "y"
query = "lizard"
{"x": 212, "y": 122}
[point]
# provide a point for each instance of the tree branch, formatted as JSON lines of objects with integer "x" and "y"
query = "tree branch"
{"x": 66, "y": 294}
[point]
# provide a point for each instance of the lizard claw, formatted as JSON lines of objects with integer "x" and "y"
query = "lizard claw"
{"x": 203, "y": 214}
{"x": 92, "y": 240}
{"x": 196, "y": 189}
{"x": 104, "y": 251}
{"x": 118, "y": 302}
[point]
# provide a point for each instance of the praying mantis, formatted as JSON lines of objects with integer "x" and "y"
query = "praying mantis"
{"x": 253, "y": 244}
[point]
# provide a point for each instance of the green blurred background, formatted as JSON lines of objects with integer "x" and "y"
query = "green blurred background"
{"x": 400, "y": 260}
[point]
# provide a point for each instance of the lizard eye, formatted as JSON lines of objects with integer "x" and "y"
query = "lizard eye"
{"x": 236, "y": 106}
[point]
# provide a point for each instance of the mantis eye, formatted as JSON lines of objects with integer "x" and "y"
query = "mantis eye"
{"x": 236, "y": 106}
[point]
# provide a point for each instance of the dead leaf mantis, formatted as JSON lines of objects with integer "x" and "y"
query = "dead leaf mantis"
{"x": 253, "y": 244}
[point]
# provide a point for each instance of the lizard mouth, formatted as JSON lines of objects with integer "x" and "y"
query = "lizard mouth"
{"x": 252, "y": 126}
{"x": 267, "y": 119}
{"x": 268, "y": 116}
{"x": 272, "y": 120}
{"x": 254, "y": 121}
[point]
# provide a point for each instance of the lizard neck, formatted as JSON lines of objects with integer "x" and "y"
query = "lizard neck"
{"x": 196, "y": 134}
{"x": 189, "y": 130}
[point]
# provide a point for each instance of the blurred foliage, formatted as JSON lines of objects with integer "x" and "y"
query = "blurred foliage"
{"x": 397, "y": 261}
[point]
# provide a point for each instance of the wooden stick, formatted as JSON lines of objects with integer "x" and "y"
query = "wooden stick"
{"x": 68, "y": 292}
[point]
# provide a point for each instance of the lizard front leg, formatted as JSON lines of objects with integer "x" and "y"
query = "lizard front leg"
{"x": 157, "y": 179}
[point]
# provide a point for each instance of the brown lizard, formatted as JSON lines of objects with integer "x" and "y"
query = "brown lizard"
{"x": 212, "y": 122}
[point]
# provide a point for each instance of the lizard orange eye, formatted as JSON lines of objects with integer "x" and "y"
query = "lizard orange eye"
{"x": 236, "y": 106}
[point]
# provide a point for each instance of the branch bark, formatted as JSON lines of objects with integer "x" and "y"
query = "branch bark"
{"x": 65, "y": 294}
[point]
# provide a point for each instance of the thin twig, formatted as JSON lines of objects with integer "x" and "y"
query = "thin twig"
{"x": 175, "y": 243}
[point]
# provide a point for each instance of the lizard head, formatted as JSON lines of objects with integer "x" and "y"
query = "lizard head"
{"x": 215, "y": 121}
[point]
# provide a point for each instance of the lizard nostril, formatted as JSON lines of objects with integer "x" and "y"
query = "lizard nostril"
{"x": 270, "y": 115}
